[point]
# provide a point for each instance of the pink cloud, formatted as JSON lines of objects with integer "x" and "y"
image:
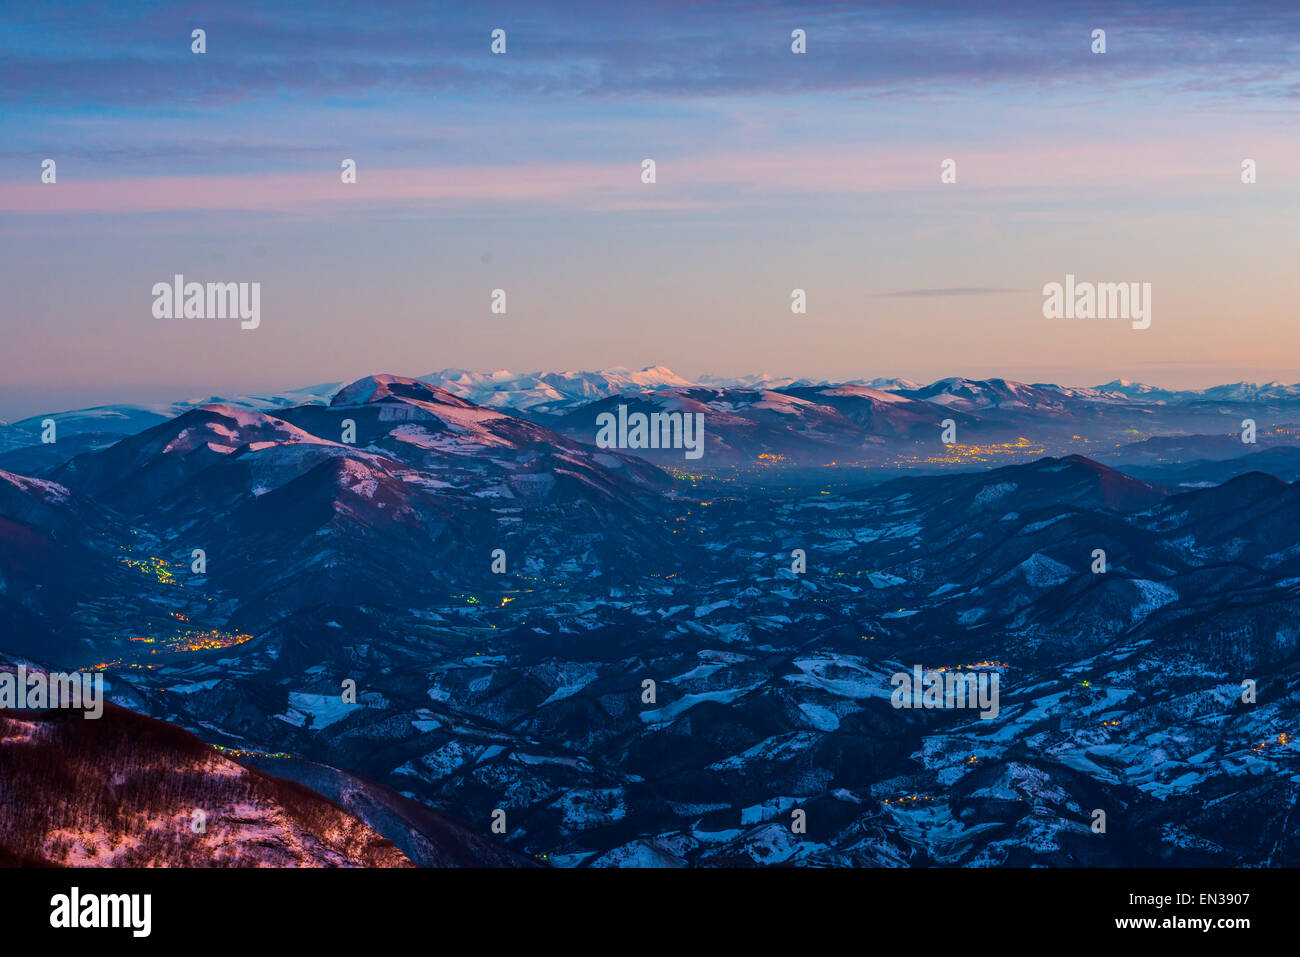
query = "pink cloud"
{"x": 738, "y": 178}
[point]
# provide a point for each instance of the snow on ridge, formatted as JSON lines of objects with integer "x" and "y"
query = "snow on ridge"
{"x": 993, "y": 492}
{"x": 853, "y": 389}
{"x": 528, "y": 390}
{"x": 50, "y": 491}
{"x": 781, "y": 403}
{"x": 363, "y": 479}
{"x": 219, "y": 437}
{"x": 372, "y": 387}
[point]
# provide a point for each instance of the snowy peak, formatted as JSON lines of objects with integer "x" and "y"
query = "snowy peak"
{"x": 854, "y": 390}
{"x": 892, "y": 384}
{"x": 416, "y": 414}
{"x": 1250, "y": 392}
{"x": 136, "y": 471}
{"x": 1228, "y": 392}
{"x": 378, "y": 388}
{"x": 1008, "y": 394}
{"x": 760, "y": 381}
{"x": 121, "y": 419}
{"x": 546, "y": 391}
{"x": 225, "y": 429}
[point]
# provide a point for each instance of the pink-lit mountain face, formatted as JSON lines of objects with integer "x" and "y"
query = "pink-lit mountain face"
{"x": 392, "y": 473}
{"x": 127, "y": 791}
{"x": 501, "y": 589}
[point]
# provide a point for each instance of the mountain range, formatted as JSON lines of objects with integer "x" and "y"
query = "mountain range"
{"x": 890, "y": 423}
{"x": 639, "y": 663}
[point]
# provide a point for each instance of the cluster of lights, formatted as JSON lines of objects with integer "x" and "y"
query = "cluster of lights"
{"x": 159, "y": 568}
{"x": 243, "y": 753}
{"x": 910, "y": 799}
{"x": 1283, "y": 740}
{"x": 192, "y": 640}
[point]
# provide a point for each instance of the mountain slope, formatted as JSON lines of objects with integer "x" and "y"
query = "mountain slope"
{"x": 122, "y": 791}
{"x": 286, "y": 511}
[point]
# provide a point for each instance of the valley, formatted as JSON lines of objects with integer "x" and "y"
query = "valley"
{"x": 652, "y": 680}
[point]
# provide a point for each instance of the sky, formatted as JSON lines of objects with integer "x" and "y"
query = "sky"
{"x": 522, "y": 171}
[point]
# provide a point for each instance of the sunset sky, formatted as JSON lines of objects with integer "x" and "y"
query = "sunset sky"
{"x": 522, "y": 172}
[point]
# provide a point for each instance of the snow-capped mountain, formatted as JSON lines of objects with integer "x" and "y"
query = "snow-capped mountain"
{"x": 113, "y": 419}
{"x": 129, "y": 419}
{"x": 548, "y": 391}
{"x": 325, "y": 499}
{"x": 997, "y": 410}
{"x": 761, "y": 382}
{"x": 768, "y": 610}
{"x": 891, "y": 384}
{"x": 1139, "y": 390}
{"x": 1248, "y": 392}
{"x": 801, "y": 424}
{"x": 970, "y": 395}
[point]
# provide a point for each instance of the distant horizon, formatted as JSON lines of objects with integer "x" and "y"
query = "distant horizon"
{"x": 25, "y": 407}
{"x": 922, "y": 172}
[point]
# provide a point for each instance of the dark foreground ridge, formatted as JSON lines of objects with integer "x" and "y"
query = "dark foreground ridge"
{"x": 126, "y": 790}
